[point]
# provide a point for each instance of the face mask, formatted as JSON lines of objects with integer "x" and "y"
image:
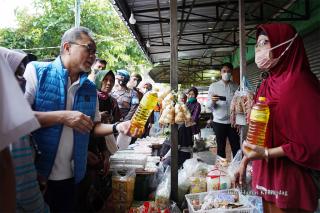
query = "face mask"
{"x": 191, "y": 100}
{"x": 262, "y": 57}
{"x": 122, "y": 83}
{"x": 132, "y": 84}
{"x": 226, "y": 76}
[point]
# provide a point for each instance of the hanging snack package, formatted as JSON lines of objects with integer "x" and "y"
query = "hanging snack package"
{"x": 240, "y": 107}
{"x": 167, "y": 115}
{"x": 180, "y": 116}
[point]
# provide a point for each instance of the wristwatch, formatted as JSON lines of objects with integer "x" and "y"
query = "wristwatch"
{"x": 114, "y": 128}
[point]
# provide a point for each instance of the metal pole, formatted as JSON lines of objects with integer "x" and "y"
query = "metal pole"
{"x": 77, "y": 13}
{"x": 242, "y": 45}
{"x": 174, "y": 86}
{"x": 242, "y": 42}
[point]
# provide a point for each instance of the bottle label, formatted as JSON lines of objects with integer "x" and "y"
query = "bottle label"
{"x": 259, "y": 116}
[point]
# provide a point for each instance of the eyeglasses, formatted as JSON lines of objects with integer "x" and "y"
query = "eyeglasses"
{"x": 262, "y": 43}
{"x": 89, "y": 47}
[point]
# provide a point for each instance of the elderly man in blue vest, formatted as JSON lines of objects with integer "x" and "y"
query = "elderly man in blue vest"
{"x": 65, "y": 103}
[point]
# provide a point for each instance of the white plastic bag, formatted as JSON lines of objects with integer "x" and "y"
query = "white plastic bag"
{"x": 234, "y": 165}
{"x": 157, "y": 177}
{"x": 206, "y": 132}
{"x": 190, "y": 167}
{"x": 123, "y": 141}
{"x": 162, "y": 197}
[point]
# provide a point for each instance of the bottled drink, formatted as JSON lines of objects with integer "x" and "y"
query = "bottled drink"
{"x": 258, "y": 122}
{"x": 140, "y": 117}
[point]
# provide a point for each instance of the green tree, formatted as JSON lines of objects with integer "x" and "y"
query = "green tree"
{"x": 51, "y": 18}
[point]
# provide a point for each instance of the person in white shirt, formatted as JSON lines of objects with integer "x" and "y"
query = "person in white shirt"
{"x": 66, "y": 104}
{"x": 219, "y": 99}
{"x": 100, "y": 64}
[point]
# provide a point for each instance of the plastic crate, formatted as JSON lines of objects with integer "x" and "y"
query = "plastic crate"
{"x": 247, "y": 208}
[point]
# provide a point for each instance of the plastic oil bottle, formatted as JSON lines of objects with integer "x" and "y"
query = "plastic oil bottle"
{"x": 259, "y": 118}
{"x": 140, "y": 117}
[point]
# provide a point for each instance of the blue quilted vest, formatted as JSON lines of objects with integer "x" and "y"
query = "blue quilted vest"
{"x": 51, "y": 96}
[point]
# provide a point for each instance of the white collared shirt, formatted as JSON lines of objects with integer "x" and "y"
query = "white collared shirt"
{"x": 221, "y": 110}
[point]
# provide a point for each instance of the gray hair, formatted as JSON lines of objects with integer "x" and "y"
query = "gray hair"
{"x": 74, "y": 34}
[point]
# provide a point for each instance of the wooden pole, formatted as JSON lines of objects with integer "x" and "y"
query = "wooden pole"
{"x": 242, "y": 42}
{"x": 243, "y": 62}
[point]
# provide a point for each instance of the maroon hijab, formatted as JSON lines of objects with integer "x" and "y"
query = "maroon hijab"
{"x": 293, "y": 94}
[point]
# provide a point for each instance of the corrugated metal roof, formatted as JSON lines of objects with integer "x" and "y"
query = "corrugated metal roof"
{"x": 207, "y": 29}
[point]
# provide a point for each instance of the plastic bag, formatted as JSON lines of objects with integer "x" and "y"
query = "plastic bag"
{"x": 220, "y": 200}
{"x": 198, "y": 184}
{"x": 183, "y": 184}
{"x": 256, "y": 201}
{"x": 190, "y": 167}
{"x": 155, "y": 131}
{"x": 206, "y": 132}
{"x": 162, "y": 197}
{"x": 206, "y": 157}
{"x": 151, "y": 207}
{"x": 157, "y": 177}
{"x": 222, "y": 163}
{"x": 234, "y": 165}
{"x": 123, "y": 141}
{"x": 174, "y": 208}
{"x": 199, "y": 145}
{"x": 218, "y": 180}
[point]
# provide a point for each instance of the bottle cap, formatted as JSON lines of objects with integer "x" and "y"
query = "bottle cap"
{"x": 262, "y": 99}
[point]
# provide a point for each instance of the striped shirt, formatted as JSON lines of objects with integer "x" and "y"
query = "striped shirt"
{"x": 28, "y": 195}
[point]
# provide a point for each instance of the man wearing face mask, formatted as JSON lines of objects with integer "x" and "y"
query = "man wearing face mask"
{"x": 220, "y": 95}
{"x": 127, "y": 99}
{"x": 134, "y": 81}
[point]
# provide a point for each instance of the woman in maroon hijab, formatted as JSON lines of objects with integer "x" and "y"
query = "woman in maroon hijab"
{"x": 282, "y": 171}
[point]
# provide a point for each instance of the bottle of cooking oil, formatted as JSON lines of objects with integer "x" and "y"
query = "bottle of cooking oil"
{"x": 259, "y": 118}
{"x": 140, "y": 117}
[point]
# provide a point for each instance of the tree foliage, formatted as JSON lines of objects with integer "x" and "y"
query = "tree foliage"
{"x": 51, "y": 18}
